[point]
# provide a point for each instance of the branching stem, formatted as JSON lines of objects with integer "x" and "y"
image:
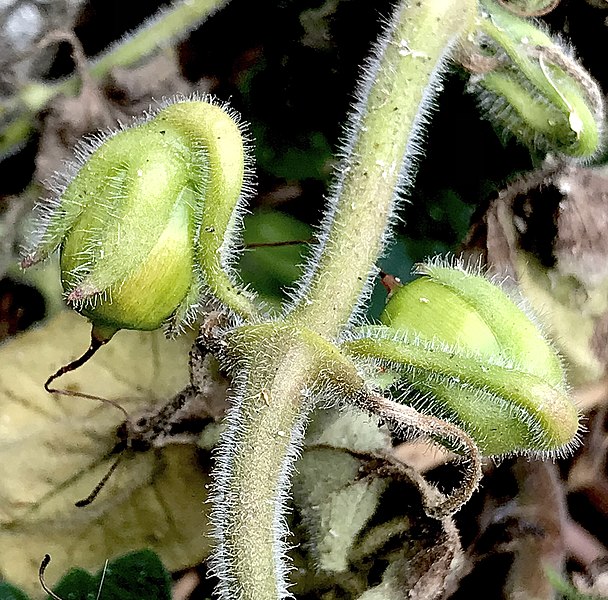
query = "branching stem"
{"x": 266, "y": 423}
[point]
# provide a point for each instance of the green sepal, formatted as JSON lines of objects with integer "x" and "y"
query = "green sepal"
{"x": 152, "y": 292}
{"x": 215, "y": 133}
{"x": 503, "y": 409}
{"x": 151, "y": 219}
{"x": 139, "y": 179}
{"x": 458, "y": 346}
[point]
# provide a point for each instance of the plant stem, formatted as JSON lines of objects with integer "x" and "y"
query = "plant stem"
{"x": 266, "y": 423}
{"x": 404, "y": 417}
{"x": 165, "y": 28}
{"x": 256, "y": 454}
{"x": 286, "y": 370}
{"x": 384, "y": 134}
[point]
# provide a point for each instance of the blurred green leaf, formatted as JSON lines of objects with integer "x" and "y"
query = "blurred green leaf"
{"x": 271, "y": 269}
{"x": 10, "y": 592}
{"x": 308, "y": 157}
{"x": 566, "y": 590}
{"x": 77, "y": 584}
{"x": 135, "y": 576}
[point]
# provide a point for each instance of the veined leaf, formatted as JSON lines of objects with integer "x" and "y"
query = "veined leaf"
{"x": 54, "y": 450}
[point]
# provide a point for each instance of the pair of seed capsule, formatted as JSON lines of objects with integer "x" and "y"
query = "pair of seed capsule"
{"x": 149, "y": 222}
{"x": 139, "y": 245}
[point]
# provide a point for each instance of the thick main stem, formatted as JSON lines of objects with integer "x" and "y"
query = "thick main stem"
{"x": 265, "y": 425}
{"x": 285, "y": 370}
{"x": 384, "y": 136}
{"x": 265, "y": 430}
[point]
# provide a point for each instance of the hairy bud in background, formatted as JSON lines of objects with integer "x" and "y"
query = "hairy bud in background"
{"x": 532, "y": 86}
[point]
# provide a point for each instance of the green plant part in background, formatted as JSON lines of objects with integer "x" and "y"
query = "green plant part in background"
{"x": 133, "y": 576}
{"x": 534, "y": 88}
{"x": 18, "y": 114}
{"x": 529, "y": 8}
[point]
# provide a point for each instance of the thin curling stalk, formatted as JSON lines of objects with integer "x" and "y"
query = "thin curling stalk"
{"x": 99, "y": 337}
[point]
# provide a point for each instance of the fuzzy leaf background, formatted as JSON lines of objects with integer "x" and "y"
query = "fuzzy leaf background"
{"x": 54, "y": 450}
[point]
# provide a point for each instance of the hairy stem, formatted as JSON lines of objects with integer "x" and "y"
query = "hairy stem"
{"x": 286, "y": 370}
{"x": 168, "y": 26}
{"x": 265, "y": 428}
{"x": 405, "y": 417}
{"x": 266, "y": 422}
{"x": 384, "y": 135}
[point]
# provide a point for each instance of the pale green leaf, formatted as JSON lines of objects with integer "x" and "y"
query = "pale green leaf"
{"x": 335, "y": 503}
{"x": 571, "y": 310}
{"x": 54, "y": 450}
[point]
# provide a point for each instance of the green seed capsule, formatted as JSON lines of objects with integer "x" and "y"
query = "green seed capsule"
{"x": 145, "y": 224}
{"x": 465, "y": 310}
{"x": 459, "y": 347}
{"x": 128, "y": 259}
